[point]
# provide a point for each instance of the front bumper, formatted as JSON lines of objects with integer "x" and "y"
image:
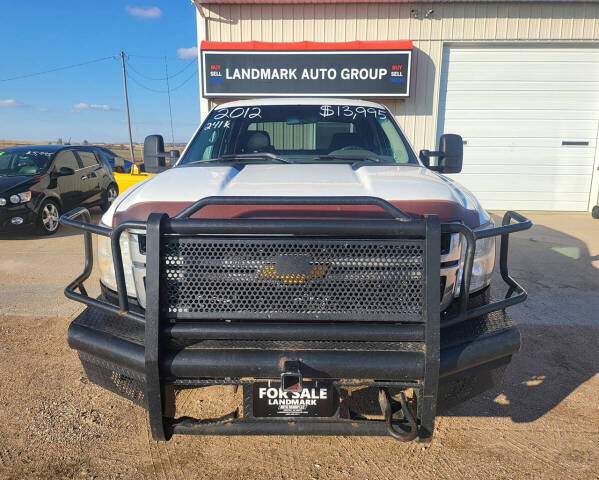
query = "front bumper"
{"x": 8, "y": 212}
{"x": 187, "y": 338}
{"x": 474, "y": 355}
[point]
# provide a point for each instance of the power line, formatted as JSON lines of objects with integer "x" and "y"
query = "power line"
{"x": 160, "y": 79}
{"x": 131, "y": 151}
{"x": 193, "y": 74}
{"x": 168, "y": 90}
{"x": 57, "y": 69}
{"x": 141, "y": 85}
{"x": 154, "y": 90}
{"x": 134, "y": 125}
{"x": 151, "y": 57}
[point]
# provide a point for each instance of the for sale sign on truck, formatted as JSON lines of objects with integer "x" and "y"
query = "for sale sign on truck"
{"x": 353, "y": 69}
{"x": 314, "y": 399}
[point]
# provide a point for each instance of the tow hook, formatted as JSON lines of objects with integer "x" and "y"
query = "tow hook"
{"x": 291, "y": 378}
{"x": 397, "y": 433}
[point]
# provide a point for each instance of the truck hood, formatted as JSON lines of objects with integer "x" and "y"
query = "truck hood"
{"x": 413, "y": 189}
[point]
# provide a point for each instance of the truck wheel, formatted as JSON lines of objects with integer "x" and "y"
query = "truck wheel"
{"x": 109, "y": 196}
{"x": 48, "y": 218}
{"x": 595, "y": 211}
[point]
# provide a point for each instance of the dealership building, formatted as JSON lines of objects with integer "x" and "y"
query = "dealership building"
{"x": 518, "y": 80}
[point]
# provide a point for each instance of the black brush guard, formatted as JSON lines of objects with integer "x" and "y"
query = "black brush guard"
{"x": 350, "y": 339}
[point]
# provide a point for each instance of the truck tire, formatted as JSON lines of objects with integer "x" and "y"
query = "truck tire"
{"x": 595, "y": 211}
{"x": 48, "y": 218}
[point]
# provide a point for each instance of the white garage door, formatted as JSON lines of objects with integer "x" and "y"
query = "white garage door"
{"x": 529, "y": 119}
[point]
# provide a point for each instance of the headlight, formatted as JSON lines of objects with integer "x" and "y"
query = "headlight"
{"x": 484, "y": 262}
{"x": 19, "y": 198}
{"x": 2, "y": 202}
{"x": 106, "y": 265}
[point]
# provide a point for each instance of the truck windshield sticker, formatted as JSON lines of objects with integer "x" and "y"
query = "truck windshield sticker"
{"x": 218, "y": 124}
{"x": 238, "y": 112}
{"x": 351, "y": 111}
{"x": 38, "y": 152}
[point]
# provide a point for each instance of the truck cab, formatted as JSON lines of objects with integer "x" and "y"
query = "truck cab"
{"x": 301, "y": 249}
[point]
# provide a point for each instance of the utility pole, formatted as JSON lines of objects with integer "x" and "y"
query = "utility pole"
{"x": 127, "y": 106}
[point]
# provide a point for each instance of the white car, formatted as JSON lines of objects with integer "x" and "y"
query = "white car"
{"x": 302, "y": 249}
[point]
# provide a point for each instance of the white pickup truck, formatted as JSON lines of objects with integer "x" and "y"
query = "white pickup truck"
{"x": 299, "y": 248}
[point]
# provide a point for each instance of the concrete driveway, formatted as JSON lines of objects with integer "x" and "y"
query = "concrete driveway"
{"x": 542, "y": 422}
{"x": 34, "y": 271}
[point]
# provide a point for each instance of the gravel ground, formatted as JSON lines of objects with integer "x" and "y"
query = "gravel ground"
{"x": 542, "y": 422}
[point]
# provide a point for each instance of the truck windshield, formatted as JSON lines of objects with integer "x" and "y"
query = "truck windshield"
{"x": 300, "y": 134}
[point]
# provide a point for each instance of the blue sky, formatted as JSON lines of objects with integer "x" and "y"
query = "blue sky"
{"x": 86, "y": 103}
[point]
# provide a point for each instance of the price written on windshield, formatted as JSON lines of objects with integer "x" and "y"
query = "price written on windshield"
{"x": 351, "y": 111}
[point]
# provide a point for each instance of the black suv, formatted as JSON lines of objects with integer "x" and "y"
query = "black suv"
{"x": 37, "y": 183}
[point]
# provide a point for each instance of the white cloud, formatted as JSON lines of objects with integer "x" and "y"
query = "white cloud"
{"x": 144, "y": 12}
{"x": 187, "y": 53}
{"x": 92, "y": 106}
{"x": 9, "y": 102}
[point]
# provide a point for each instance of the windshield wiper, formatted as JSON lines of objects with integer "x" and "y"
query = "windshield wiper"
{"x": 357, "y": 161}
{"x": 259, "y": 155}
{"x": 244, "y": 156}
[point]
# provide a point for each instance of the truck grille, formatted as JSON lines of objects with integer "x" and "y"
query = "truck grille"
{"x": 293, "y": 278}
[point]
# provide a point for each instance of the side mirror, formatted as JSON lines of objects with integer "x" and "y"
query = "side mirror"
{"x": 452, "y": 147}
{"x": 64, "y": 172}
{"x": 450, "y": 154}
{"x": 154, "y": 156}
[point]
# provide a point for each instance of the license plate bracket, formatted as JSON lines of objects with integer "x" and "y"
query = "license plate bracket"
{"x": 316, "y": 399}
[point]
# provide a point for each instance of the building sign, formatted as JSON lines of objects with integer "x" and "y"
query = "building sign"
{"x": 311, "y": 69}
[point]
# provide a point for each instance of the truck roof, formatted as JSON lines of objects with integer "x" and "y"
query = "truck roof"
{"x": 298, "y": 101}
